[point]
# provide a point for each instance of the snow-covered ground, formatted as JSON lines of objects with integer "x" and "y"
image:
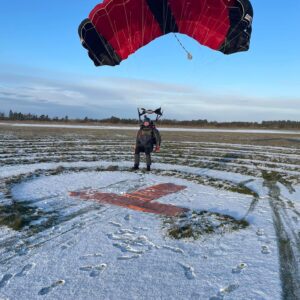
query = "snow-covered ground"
{"x": 57, "y": 246}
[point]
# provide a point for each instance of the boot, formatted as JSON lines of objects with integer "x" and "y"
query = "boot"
{"x": 136, "y": 161}
{"x": 148, "y": 161}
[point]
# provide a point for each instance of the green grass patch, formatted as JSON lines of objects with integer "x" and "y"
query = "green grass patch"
{"x": 194, "y": 225}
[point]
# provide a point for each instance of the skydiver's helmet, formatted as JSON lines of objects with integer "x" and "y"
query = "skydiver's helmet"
{"x": 146, "y": 122}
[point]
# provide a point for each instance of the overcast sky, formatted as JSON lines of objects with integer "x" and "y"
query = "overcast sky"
{"x": 45, "y": 70}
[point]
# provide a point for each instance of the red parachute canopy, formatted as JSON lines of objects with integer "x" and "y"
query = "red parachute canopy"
{"x": 117, "y": 28}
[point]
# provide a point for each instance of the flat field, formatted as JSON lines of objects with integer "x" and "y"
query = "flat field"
{"x": 238, "y": 237}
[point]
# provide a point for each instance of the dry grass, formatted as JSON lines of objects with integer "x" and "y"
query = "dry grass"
{"x": 263, "y": 139}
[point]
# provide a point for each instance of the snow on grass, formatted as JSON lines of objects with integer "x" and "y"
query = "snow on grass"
{"x": 237, "y": 241}
{"x": 146, "y": 263}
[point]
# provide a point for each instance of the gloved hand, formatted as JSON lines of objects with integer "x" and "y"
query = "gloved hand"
{"x": 157, "y": 149}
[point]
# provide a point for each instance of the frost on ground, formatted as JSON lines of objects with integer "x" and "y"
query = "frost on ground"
{"x": 238, "y": 238}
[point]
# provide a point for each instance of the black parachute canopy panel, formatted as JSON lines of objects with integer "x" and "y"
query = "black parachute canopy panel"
{"x": 99, "y": 50}
{"x": 239, "y": 34}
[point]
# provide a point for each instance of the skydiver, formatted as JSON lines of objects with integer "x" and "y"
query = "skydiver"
{"x": 146, "y": 138}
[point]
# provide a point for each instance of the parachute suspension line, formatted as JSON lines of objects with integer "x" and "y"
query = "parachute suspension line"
{"x": 128, "y": 27}
{"x": 152, "y": 22}
{"x": 189, "y": 55}
{"x": 238, "y": 34}
{"x": 236, "y": 26}
{"x": 143, "y": 25}
{"x": 114, "y": 28}
{"x": 105, "y": 46}
{"x": 184, "y": 12}
{"x": 116, "y": 34}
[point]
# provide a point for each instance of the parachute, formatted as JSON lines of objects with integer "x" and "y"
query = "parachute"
{"x": 117, "y": 28}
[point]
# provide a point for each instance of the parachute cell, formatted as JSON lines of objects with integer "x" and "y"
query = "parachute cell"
{"x": 117, "y": 28}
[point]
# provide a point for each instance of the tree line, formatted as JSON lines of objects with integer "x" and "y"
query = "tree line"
{"x": 276, "y": 124}
{"x": 18, "y": 116}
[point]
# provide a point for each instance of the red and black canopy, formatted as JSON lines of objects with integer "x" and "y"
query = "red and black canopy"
{"x": 117, "y": 28}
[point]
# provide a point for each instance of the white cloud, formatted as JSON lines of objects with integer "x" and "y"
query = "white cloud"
{"x": 103, "y": 97}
